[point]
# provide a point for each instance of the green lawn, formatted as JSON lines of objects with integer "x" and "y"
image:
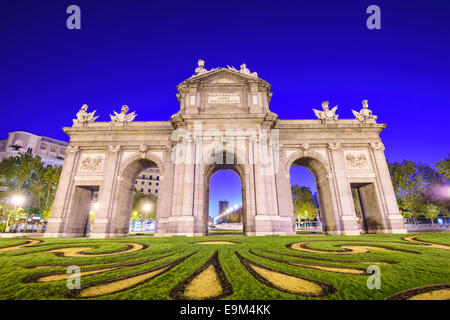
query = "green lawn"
{"x": 404, "y": 264}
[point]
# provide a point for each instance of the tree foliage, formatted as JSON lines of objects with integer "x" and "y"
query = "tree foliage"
{"x": 415, "y": 184}
{"x": 138, "y": 211}
{"x": 443, "y": 168}
{"x": 26, "y": 174}
{"x": 305, "y": 203}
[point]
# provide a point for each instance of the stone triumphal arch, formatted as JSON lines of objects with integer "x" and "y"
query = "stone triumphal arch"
{"x": 224, "y": 122}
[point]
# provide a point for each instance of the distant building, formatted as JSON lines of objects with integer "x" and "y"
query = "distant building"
{"x": 223, "y": 205}
{"x": 51, "y": 151}
{"x": 147, "y": 181}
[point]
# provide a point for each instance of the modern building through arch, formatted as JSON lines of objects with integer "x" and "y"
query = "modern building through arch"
{"x": 224, "y": 122}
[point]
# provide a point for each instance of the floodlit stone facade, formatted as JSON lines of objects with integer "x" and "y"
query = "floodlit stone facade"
{"x": 224, "y": 122}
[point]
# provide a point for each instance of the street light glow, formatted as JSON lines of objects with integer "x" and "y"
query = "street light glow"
{"x": 147, "y": 207}
{"x": 18, "y": 200}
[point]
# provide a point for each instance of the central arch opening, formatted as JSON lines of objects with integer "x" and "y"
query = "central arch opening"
{"x": 226, "y": 213}
{"x": 137, "y": 199}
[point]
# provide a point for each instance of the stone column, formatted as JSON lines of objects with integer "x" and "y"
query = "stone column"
{"x": 284, "y": 194}
{"x": 267, "y": 220}
{"x": 165, "y": 195}
{"x": 64, "y": 194}
{"x": 393, "y": 219}
{"x": 347, "y": 213}
{"x": 107, "y": 194}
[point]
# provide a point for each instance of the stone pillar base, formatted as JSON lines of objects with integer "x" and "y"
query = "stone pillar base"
{"x": 107, "y": 235}
{"x": 63, "y": 235}
{"x": 349, "y": 226}
{"x": 396, "y": 224}
{"x": 177, "y": 226}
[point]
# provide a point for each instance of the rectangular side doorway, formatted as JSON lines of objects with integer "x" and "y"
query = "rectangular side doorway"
{"x": 366, "y": 202}
{"x": 84, "y": 199}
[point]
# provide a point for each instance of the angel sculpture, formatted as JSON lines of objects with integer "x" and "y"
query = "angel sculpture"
{"x": 122, "y": 117}
{"x": 364, "y": 113}
{"x": 326, "y": 114}
{"x": 83, "y": 117}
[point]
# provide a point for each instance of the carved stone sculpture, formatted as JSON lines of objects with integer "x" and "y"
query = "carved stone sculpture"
{"x": 84, "y": 118}
{"x": 92, "y": 164}
{"x": 377, "y": 145}
{"x": 114, "y": 149}
{"x": 72, "y": 149}
{"x": 334, "y": 146}
{"x": 364, "y": 113}
{"x": 326, "y": 114}
{"x": 305, "y": 147}
{"x": 122, "y": 118}
{"x": 201, "y": 67}
{"x": 356, "y": 160}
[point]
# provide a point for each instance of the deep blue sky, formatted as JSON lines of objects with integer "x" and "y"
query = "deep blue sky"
{"x": 135, "y": 53}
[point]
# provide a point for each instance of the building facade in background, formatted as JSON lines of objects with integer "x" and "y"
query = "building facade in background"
{"x": 51, "y": 151}
{"x": 147, "y": 181}
{"x": 223, "y": 205}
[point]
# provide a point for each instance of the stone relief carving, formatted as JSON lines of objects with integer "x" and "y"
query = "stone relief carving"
{"x": 92, "y": 163}
{"x": 122, "y": 118}
{"x": 84, "y": 118}
{"x": 143, "y": 148}
{"x": 114, "y": 148}
{"x": 377, "y": 145}
{"x": 364, "y": 113}
{"x": 305, "y": 147}
{"x": 72, "y": 149}
{"x": 334, "y": 146}
{"x": 356, "y": 160}
{"x": 326, "y": 114}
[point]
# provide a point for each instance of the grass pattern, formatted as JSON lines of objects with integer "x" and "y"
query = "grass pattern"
{"x": 407, "y": 262}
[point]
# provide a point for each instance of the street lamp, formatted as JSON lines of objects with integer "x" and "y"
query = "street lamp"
{"x": 147, "y": 207}
{"x": 17, "y": 201}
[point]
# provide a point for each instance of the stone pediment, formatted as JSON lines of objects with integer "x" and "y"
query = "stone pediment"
{"x": 223, "y": 91}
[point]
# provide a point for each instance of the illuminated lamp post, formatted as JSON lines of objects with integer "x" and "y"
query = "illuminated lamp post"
{"x": 17, "y": 201}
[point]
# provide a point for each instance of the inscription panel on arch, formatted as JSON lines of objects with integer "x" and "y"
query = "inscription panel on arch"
{"x": 224, "y": 98}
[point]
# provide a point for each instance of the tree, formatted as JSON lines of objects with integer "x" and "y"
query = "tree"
{"x": 431, "y": 212}
{"x": 304, "y": 202}
{"x": 443, "y": 168}
{"x": 27, "y": 174}
{"x": 138, "y": 210}
{"x": 409, "y": 181}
